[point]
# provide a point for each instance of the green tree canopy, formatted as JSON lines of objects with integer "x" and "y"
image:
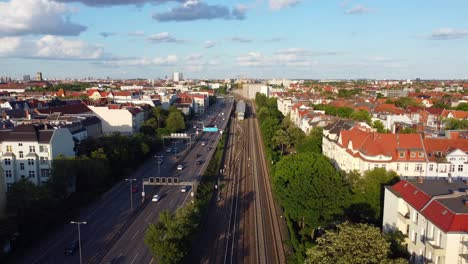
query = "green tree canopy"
{"x": 456, "y": 124}
{"x": 352, "y": 244}
{"x": 377, "y": 124}
{"x": 175, "y": 121}
{"x": 310, "y": 190}
{"x": 361, "y": 116}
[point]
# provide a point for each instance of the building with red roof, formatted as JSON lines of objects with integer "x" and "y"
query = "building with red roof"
{"x": 433, "y": 216}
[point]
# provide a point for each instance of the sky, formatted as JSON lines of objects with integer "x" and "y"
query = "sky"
{"x": 296, "y": 39}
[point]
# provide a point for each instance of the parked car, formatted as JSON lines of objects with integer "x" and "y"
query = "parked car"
{"x": 156, "y": 198}
{"x": 71, "y": 248}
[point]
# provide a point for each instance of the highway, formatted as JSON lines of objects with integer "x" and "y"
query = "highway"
{"x": 244, "y": 226}
{"x": 113, "y": 232}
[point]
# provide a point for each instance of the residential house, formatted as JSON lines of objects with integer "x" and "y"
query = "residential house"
{"x": 27, "y": 151}
{"x": 433, "y": 216}
{"x": 118, "y": 118}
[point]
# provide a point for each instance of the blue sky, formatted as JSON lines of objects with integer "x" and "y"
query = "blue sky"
{"x": 226, "y": 39}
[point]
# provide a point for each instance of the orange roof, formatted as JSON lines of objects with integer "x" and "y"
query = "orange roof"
{"x": 455, "y": 113}
{"x": 444, "y": 145}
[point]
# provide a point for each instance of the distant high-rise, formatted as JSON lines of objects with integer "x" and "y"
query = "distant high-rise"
{"x": 26, "y": 78}
{"x": 39, "y": 76}
{"x": 177, "y": 77}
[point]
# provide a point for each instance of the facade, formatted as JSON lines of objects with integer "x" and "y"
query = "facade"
{"x": 177, "y": 77}
{"x": 39, "y": 76}
{"x": 433, "y": 216}
{"x": 410, "y": 155}
{"x": 2, "y": 194}
{"x": 114, "y": 118}
{"x": 27, "y": 151}
{"x": 200, "y": 103}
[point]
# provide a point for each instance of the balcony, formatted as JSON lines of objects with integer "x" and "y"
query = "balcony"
{"x": 404, "y": 218}
{"x": 436, "y": 250}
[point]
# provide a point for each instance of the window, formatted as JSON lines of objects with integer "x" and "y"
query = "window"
{"x": 422, "y": 238}
{"x": 460, "y": 167}
{"x": 431, "y": 167}
{"x": 8, "y": 174}
{"x": 30, "y": 162}
{"x": 32, "y": 174}
{"x": 398, "y": 166}
{"x": 44, "y": 173}
{"x": 414, "y": 236}
{"x": 21, "y": 155}
{"x": 9, "y": 149}
{"x": 413, "y": 154}
{"x": 401, "y": 154}
{"x": 420, "y": 154}
{"x": 21, "y": 166}
{"x": 20, "y": 144}
{"x": 419, "y": 167}
{"x": 452, "y": 167}
{"x": 32, "y": 149}
{"x": 7, "y": 161}
{"x": 43, "y": 149}
{"x": 406, "y": 166}
{"x": 384, "y": 166}
{"x": 43, "y": 160}
{"x": 9, "y": 186}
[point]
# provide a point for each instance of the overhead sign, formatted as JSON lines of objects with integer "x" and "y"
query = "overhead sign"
{"x": 179, "y": 135}
{"x": 210, "y": 129}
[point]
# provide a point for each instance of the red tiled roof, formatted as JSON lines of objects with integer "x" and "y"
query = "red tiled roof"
{"x": 455, "y": 113}
{"x": 411, "y": 194}
{"x": 444, "y": 146}
{"x": 444, "y": 218}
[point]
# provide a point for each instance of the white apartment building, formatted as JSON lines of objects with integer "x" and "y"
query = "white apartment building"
{"x": 115, "y": 118}
{"x": 359, "y": 148}
{"x": 177, "y": 77}
{"x": 200, "y": 103}
{"x": 27, "y": 151}
{"x": 433, "y": 215}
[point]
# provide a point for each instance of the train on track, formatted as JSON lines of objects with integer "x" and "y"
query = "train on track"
{"x": 240, "y": 110}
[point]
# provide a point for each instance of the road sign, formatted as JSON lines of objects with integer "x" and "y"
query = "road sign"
{"x": 210, "y": 129}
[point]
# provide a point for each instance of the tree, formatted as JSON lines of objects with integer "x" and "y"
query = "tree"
{"x": 310, "y": 190}
{"x": 377, "y": 124}
{"x": 455, "y": 124}
{"x": 462, "y": 107}
{"x": 361, "y": 116}
{"x": 368, "y": 193}
{"x": 281, "y": 138}
{"x": 407, "y": 130}
{"x": 175, "y": 121}
{"x": 352, "y": 244}
{"x": 312, "y": 143}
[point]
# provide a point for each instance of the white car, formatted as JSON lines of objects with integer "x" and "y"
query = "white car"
{"x": 184, "y": 189}
{"x": 180, "y": 167}
{"x": 156, "y": 198}
{"x": 160, "y": 161}
{"x": 203, "y": 143}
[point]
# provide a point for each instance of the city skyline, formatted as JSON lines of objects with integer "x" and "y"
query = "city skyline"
{"x": 214, "y": 39}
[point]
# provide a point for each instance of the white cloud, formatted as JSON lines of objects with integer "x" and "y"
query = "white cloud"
{"x": 138, "y": 33}
{"x": 50, "y": 47}
{"x": 163, "y": 37}
{"x": 209, "y": 44}
{"x": 280, "y": 4}
{"x": 139, "y": 62}
{"x": 448, "y": 33}
{"x": 359, "y": 9}
{"x": 21, "y": 17}
{"x": 292, "y": 58}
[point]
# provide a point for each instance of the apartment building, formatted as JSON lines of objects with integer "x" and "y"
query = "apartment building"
{"x": 433, "y": 215}
{"x": 410, "y": 155}
{"x": 27, "y": 151}
{"x": 117, "y": 118}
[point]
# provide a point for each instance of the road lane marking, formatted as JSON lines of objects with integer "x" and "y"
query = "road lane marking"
{"x": 134, "y": 258}
{"x": 134, "y": 235}
{"x": 152, "y": 259}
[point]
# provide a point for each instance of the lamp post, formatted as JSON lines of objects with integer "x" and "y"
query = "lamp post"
{"x": 131, "y": 196}
{"x": 159, "y": 163}
{"x": 78, "y": 223}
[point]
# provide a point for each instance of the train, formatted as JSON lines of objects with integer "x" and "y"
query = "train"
{"x": 240, "y": 110}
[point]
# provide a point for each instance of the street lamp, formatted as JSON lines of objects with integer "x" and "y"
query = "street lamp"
{"x": 131, "y": 187}
{"x": 78, "y": 223}
{"x": 159, "y": 163}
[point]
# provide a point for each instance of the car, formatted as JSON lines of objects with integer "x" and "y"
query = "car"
{"x": 198, "y": 155}
{"x": 194, "y": 126}
{"x": 209, "y": 148}
{"x": 180, "y": 167}
{"x": 199, "y": 162}
{"x": 184, "y": 189}
{"x": 156, "y": 198}
{"x": 71, "y": 248}
{"x": 203, "y": 143}
{"x": 168, "y": 150}
{"x": 160, "y": 161}
{"x": 134, "y": 189}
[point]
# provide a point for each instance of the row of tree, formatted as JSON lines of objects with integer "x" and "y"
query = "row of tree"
{"x": 163, "y": 122}
{"x": 345, "y": 112}
{"x": 312, "y": 193}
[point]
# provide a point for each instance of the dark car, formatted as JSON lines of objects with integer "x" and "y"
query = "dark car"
{"x": 199, "y": 162}
{"x": 70, "y": 249}
{"x": 209, "y": 148}
{"x": 197, "y": 155}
